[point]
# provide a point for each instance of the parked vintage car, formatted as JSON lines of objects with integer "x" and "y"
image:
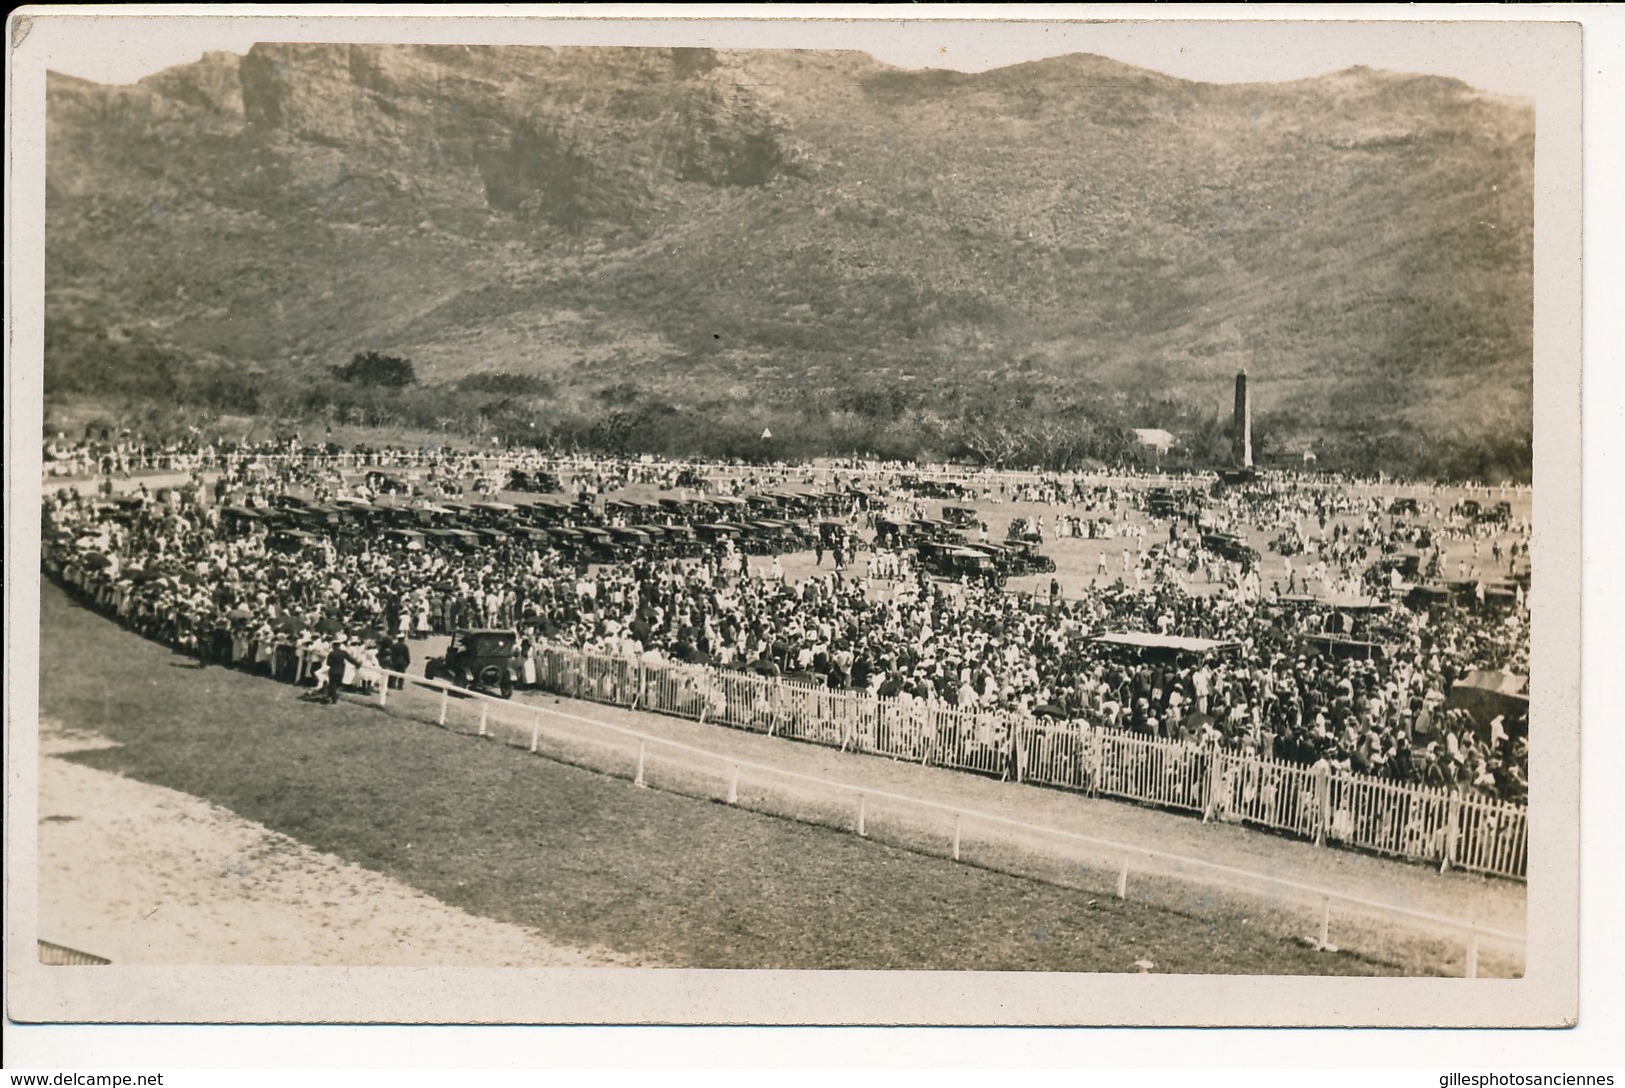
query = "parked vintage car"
{"x": 1025, "y": 558}
{"x": 1024, "y": 529}
{"x": 482, "y": 660}
{"x": 893, "y": 532}
{"x": 538, "y": 481}
{"x": 957, "y": 561}
{"x": 1161, "y": 502}
{"x": 1231, "y": 547}
{"x": 715, "y": 533}
{"x": 384, "y": 483}
{"x": 691, "y": 478}
{"x": 934, "y": 489}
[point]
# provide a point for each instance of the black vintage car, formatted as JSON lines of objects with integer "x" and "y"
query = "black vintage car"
{"x": 383, "y": 483}
{"x": 1025, "y": 558}
{"x": 480, "y": 660}
{"x": 933, "y": 489}
{"x": 538, "y": 481}
{"x": 956, "y": 561}
{"x": 1161, "y": 502}
{"x": 293, "y": 541}
{"x": 893, "y": 532}
{"x": 1231, "y": 547}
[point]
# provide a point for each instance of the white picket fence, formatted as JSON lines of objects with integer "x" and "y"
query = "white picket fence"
{"x": 769, "y": 706}
{"x": 1439, "y": 826}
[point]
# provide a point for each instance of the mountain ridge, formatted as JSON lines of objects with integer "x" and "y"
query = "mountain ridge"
{"x": 729, "y": 232}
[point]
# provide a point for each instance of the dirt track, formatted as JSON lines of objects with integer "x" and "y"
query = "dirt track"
{"x": 140, "y": 874}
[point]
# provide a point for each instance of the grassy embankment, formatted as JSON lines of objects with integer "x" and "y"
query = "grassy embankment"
{"x": 582, "y": 857}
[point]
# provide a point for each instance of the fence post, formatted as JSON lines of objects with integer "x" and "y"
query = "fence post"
{"x": 1122, "y": 879}
{"x": 957, "y": 820}
{"x": 536, "y": 733}
{"x": 1472, "y": 951}
{"x": 863, "y": 806}
{"x": 638, "y": 781}
{"x": 1215, "y": 780}
{"x": 1323, "y": 805}
{"x": 383, "y": 690}
{"x": 733, "y": 787}
{"x": 485, "y": 714}
{"x": 1015, "y": 748}
{"x": 445, "y": 701}
{"x": 1097, "y": 758}
{"x": 1325, "y": 944}
{"x": 1451, "y": 820}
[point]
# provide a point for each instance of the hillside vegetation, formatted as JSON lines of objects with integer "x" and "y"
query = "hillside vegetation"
{"x": 671, "y": 250}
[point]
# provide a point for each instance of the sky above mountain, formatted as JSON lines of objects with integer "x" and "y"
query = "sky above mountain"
{"x": 124, "y": 49}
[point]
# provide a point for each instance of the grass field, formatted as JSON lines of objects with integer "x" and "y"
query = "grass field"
{"x": 583, "y": 858}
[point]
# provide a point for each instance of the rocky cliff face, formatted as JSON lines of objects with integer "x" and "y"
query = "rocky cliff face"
{"x": 777, "y": 226}
{"x": 568, "y": 137}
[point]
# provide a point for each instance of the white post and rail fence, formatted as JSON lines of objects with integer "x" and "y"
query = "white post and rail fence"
{"x": 1213, "y": 784}
{"x": 1417, "y": 823}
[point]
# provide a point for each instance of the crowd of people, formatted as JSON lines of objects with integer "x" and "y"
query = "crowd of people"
{"x": 104, "y": 450}
{"x": 341, "y": 610}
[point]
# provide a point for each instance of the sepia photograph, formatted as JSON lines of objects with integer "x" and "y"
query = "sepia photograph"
{"x": 795, "y": 523}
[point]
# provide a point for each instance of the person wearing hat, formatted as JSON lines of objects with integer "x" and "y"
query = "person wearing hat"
{"x": 396, "y": 656}
{"x": 337, "y": 657}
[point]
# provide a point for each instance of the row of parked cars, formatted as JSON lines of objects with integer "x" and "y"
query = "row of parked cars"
{"x": 945, "y": 549}
{"x": 617, "y": 530}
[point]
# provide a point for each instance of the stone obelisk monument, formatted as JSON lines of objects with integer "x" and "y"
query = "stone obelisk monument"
{"x": 1241, "y": 449}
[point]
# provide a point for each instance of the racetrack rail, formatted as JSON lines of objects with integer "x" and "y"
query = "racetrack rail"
{"x": 634, "y": 750}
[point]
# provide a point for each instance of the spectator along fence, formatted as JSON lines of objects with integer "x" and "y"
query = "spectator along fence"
{"x": 1435, "y": 825}
{"x": 1116, "y": 765}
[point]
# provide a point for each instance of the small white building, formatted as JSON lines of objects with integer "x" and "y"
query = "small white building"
{"x": 1155, "y": 438}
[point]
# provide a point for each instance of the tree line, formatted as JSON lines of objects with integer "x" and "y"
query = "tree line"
{"x": 1020, "y": 423}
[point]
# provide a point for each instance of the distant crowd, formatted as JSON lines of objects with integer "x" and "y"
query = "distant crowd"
{"x": 177, "y": 573}
{"x": 105, "y": 451}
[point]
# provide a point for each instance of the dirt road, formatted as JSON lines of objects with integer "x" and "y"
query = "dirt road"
{"x": 139, "y": 874}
